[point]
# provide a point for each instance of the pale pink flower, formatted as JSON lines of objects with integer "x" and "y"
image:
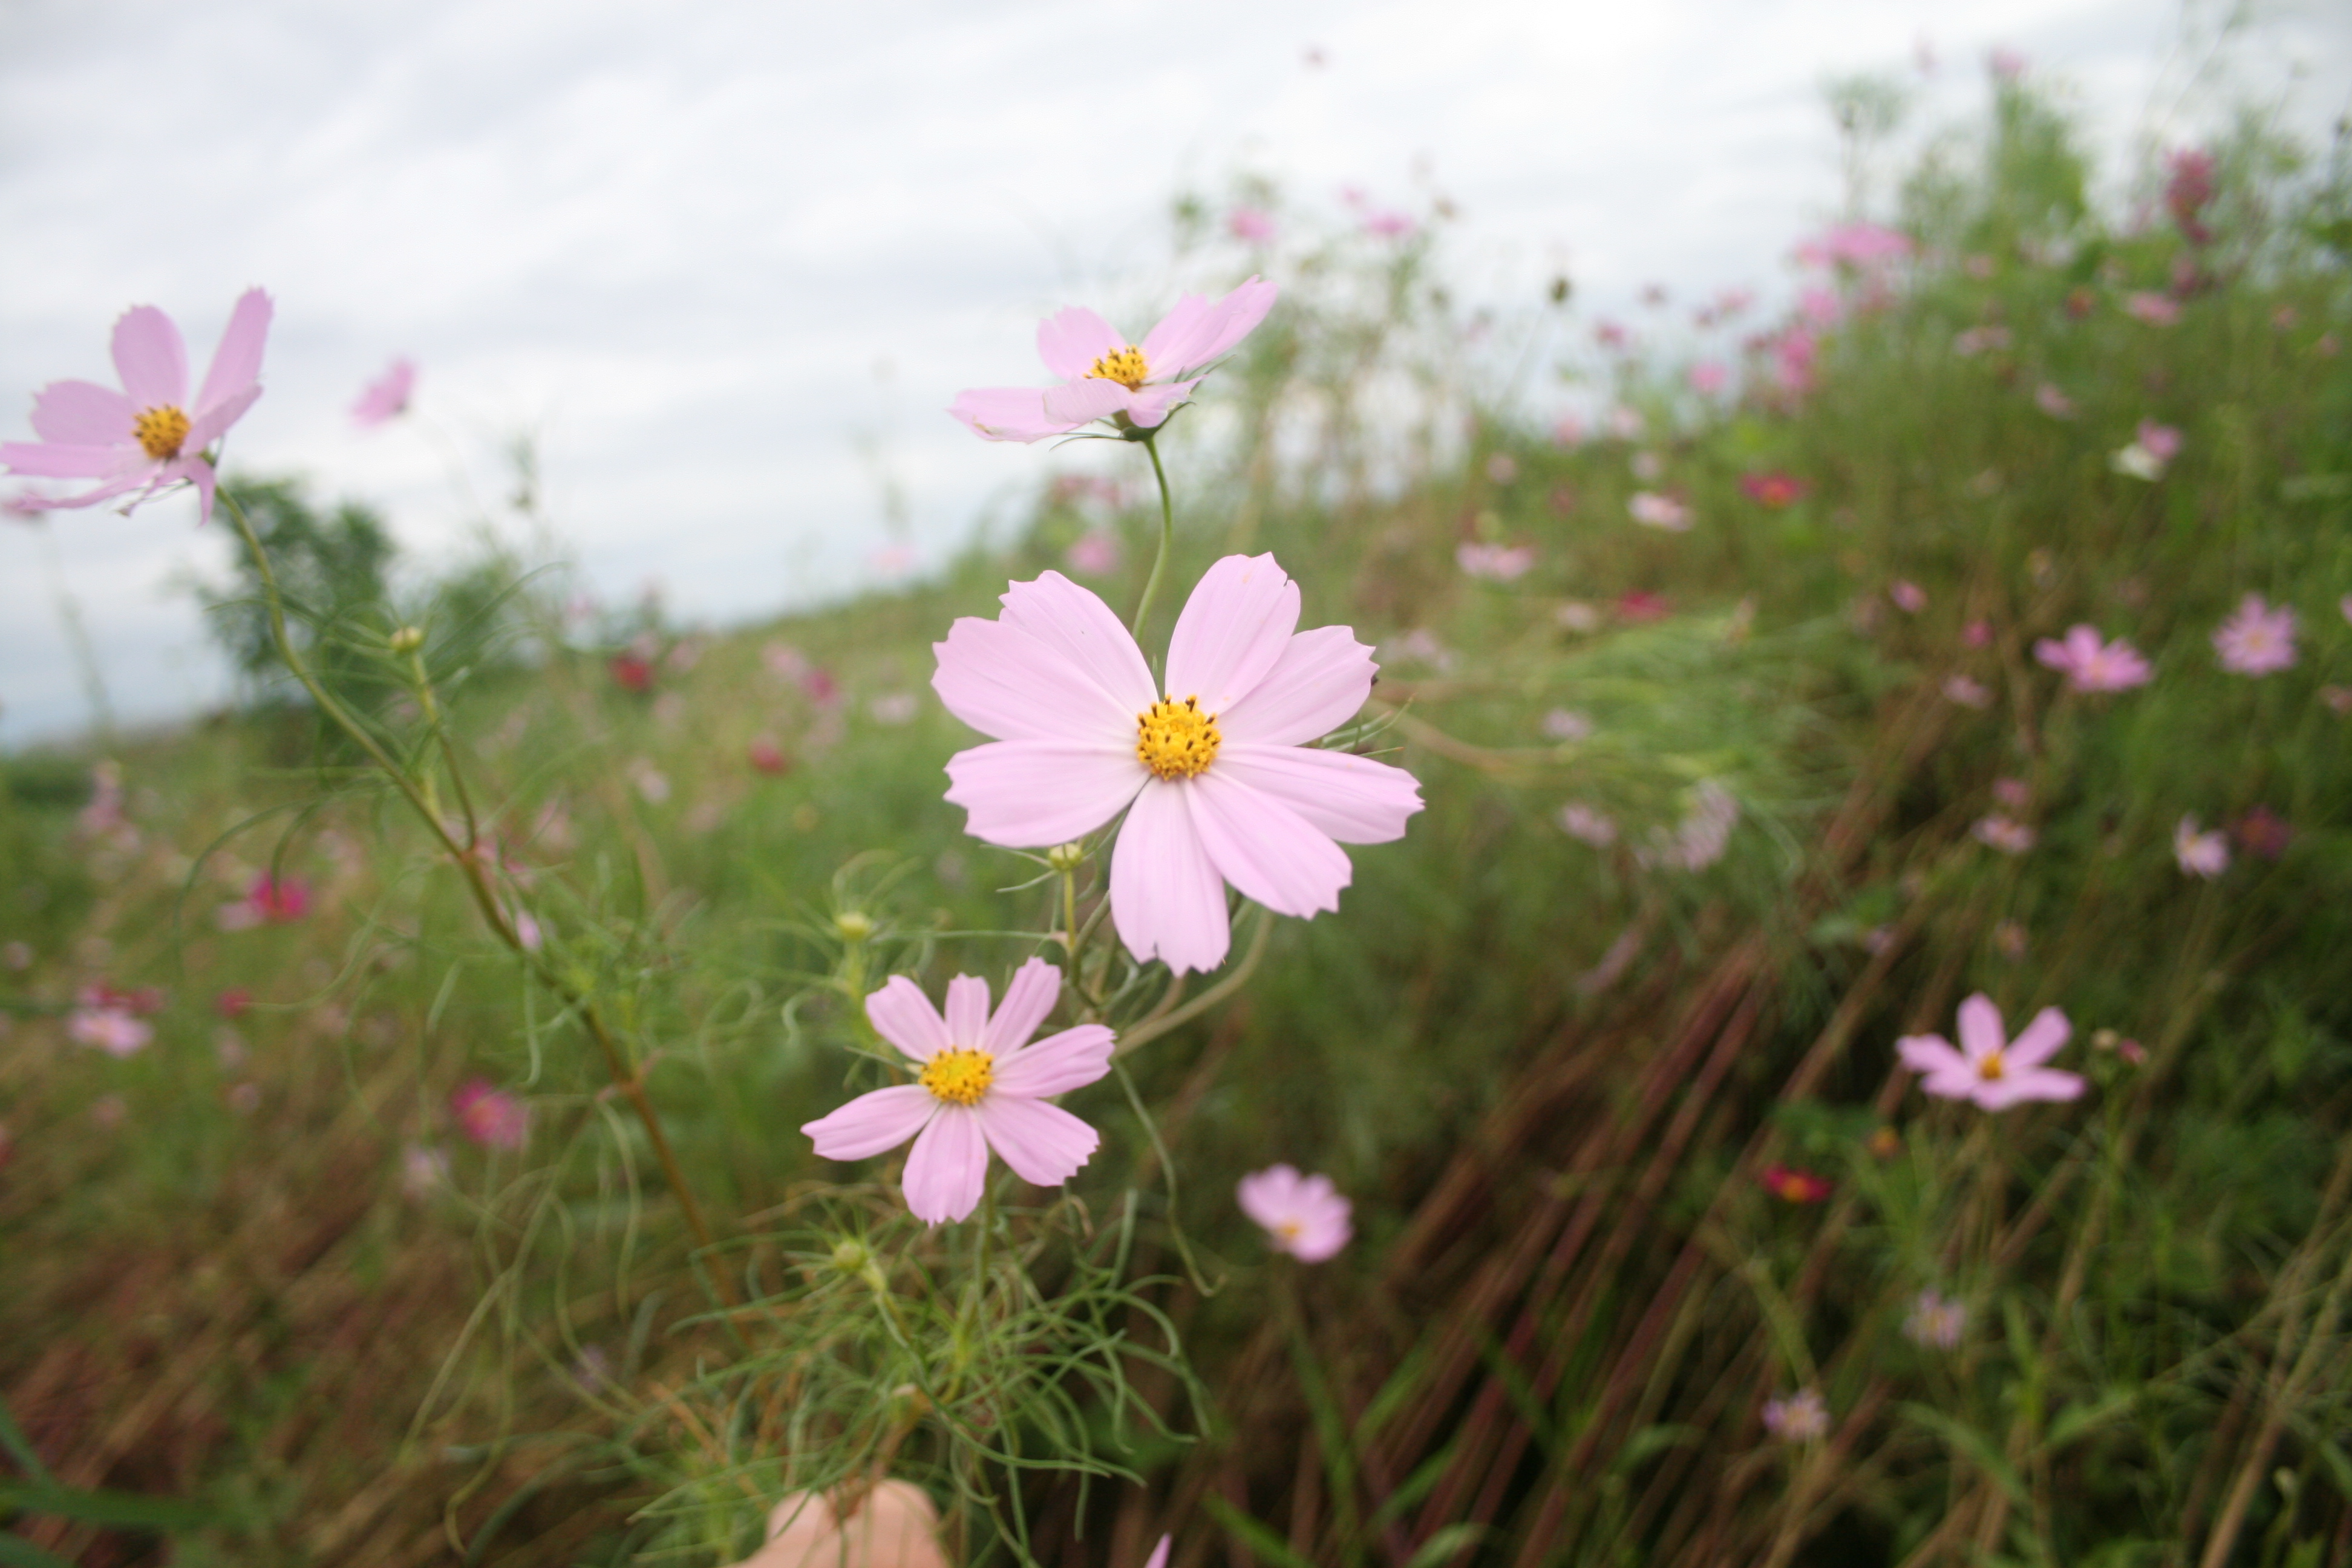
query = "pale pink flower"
{"x": 1568, "y": 431}
{"x": 1303, "y": 1215}
{"x": 1495, "y": 562}
{"x": 2161, "y": 442}
{"x": 2012, "y": 792}
{"x": 1709, "y": 376}
{"x": 1213, "y": 770}
{"x": 1989, "y": 1070}
{"x": 2008, "y": 940}
{"x": 1502, "y": 468}
{"x": 1626, "y": 424}
{"x": 1801, "y": 1418}
{"x": 1936, "y": 1321}
{"x": 2344, "y": 606}
{"x": 1794, "y": 355}
{"x": 1387, "y": 222}
{"x": 1566, "y": 724}
{"x": 1908, "y": 597}
{"x": 269, "y": 900}
{"x": 1819, "y": 306}
{"x": 1980, "y": 340}
{"x": 2205, "y": 855}
{"x": 1104, "y": 376}
{"x": 1255, "y": 224}
{"x": 2050, "y": 400}
{"x": 149, "y": 434}
{"x": 2003, "y": 833}
{"x": 387, "y": 397}
{"x": 1592, "y": 827}
{"x": 2258, "y": 640}
{"x": 113, "y": 1030}
{"x": 1977, "y": 634}
{"x": 981, "y": 1087}
{"x": 489, "y": 1115}
{"x": 1653, "y": 509}
{"x": 2156, "y": 309}
{"x": 2090, "y": 663}
{"x": 2338, "y": 699}
{"x": 1859, "y": 245}
{"x": 1702, "y": 836}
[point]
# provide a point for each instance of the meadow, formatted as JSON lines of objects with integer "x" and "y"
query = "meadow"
{"x": 1850, "y": 1063}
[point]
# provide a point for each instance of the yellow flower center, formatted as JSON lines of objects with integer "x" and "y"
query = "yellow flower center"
{"x": 1176, "y": 740}
{"x": 958, "y": 1077}
{"x": 1289, "y": 1230}
{"x": 1127, "y": 366}
{"x": 160, "y": 431}
{"x": 1991, "y": 1070}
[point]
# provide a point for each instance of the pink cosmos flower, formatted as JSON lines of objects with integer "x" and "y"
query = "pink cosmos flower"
{"x": 1105, "y": 376}
{"x": 1213, "y": 768}
{"x": 2205, "y": 855}
{"x": 1774, "y": 489}
{"x": 2186, "y": 190}
{"x": 1095, "y": 554}
{"x": 1790, "y": 1185}
{"x": 2156, "y": 309}
{"x": 1255, "y": 224}
{"x": 1802, "y": 1417}
{"x": 1653, "y": 509}
{"x": 1495, "y": 563}
{"x": 387, "y": 397}
{"x": 2161, "y": 442}
{"x": 1593, "y": 828}
{"x": 1861, "y": 244}
{"x": 2263, "y": 832}
{"x": 1303, "y": 1215}
{"x": 1908, "y": 597}
{"x": 981, "y": 1087}
{"x": 1936, "y": 1321}
{"x": 2090, "y": 665}
{"x": 269, "y": 900}
{"x": 2052, "y": 400}
{"x": 1794, "y": 353}
{"x": 114, "y": 1030}
{"x": 1967, "y": 692}
{"x": 1566, "y": 724}
{"x": 2258, "y": 639}
{"x": 489, "y": 1115}
{"x": 1386, "y": 223}
{"x": 1709, "y": 376}
{"x": 1988, "y": 1068}
{"x": 1980, "y": 340}
{"x": 147, "y": 435}
{"x": 2014, "y": 793}
{"x": 2004, "y": 834}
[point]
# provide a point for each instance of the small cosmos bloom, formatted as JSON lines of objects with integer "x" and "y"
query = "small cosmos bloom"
{"x": 114, "y": 1030}
{"x": 2008, "y": 940}
{"x": 2156, "y": 309}
{"x": 1774, "y": 489}
{"x": 1214, "y": 768}
{"x": 387, "y": 397}
{"x": 1095, "y": 554}
{"x": 1582, "y": 822}
{"x": 2205, "y": 855}
{"x": 1790, "y": 1185}
{"x": 2090, "y": 663}
{"x": 2258, "y": 639}
{"x": 1303, "y": 1215}
{"x": 1988, "y": 1068}
{"x": 1967, "y": 692}
{"x": 2052, "y": 400}
{"x": 2005, "y": 834}
{"x": 1253, "y": 225}
{"x": 489, "y": 1115}
{"x": 1709, "y": 376}
{"x": 1801, "y": 1418}
{"x": 2012, "y": 792}
{"x": 1567, "y": 725}
{"x": 270, "y": 900}
{"x": 2263, "y": 832}
{"x": 1653, "y": 509}
{"x": 1935, "y": 1321}
{"x": 1908, "y": 597}
{"x": 149, "y": 434}
{"x": 1105, "y": 376}
{"x": 1702, "y": 836}
{"x": 981, "y": 1087}
{"x": 1495, "y": 562}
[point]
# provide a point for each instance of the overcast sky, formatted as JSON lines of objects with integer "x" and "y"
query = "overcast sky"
{"x": 730, "y": 259}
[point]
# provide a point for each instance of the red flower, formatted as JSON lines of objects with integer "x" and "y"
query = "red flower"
{"x": 1792, "y": 1186}
{"x": 1774, "y": 489}
{"x": 233, "y": 1002}
{"x": 632, "y": 672}
{"x": 769, "y": 758}
{"x": 1640, "y": 605}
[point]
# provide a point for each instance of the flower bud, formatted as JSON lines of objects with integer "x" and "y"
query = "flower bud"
{"x": 850, "y": 1256}
{"x": 853, "y": 926}
{"x": 1066, "y": 857}
{"x": 408, "y": 639}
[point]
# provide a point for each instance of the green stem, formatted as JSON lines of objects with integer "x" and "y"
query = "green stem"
{"x": 1167, "y": 538}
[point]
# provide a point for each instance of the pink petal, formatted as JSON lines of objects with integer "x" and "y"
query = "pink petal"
{"x": 1980, "y": 1032}
{"x": 1044, "y": 1143}
{"x": 1269, "y": 1196}
{"x": 1319, "y": 684}
{"x": 903, "y": 1016}
{"x": 199, "y": 473}
{"x": 1036, "y": 985}
{"x": 949, "y": 1167}
{"x": 82, "y": 414}
{"x": 1166, "y": 897}
{"x": 2037, "y": 1083}
{"x": 1182, "y": 344}
{"x": 50, "y": 460}
{"x": 150, "y": 358}
{"x": 1070, "y": 341}
{"x": 212, "y": 423}
{"x": 1235, "y": 627}
{"x": 2053, "y": 653}
{"x": 1165, "y": 344}
{"x": 2039, "y": 1040}
{"x": 1931, "y": 1053}
{"x": 1158, "y": 1558}
{"x": 1264, "y": 849}
{"x": 237, "y": 363}
{"x": 1029, "y": 794}
{"x": 1076, "y": 623}
{"x": 1007, "y": 413}
{"x": 1150, "y": 406}
{"x": 1004, "y": 681}
{"x": 1057, "y": 1064}
{"x": 1084, "y": 401}
{"x": 967, "y": 1011}
{"x": 873, "y": 1122}
{"x": 1353, "y": 799}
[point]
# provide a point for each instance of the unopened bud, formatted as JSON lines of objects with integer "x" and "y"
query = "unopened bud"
{"x": 849, "y": 1256}
{"x": 1066, "y": 857}
{"x": 853, "y": 926}
{"x": 408, "y": 639}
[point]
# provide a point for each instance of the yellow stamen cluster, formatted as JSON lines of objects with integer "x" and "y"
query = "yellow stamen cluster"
{"x": 959, "y": 1077}
{"x": 1176, "y": 740}
{"x": 1127, "y": 366}
{"x": 160, "y": 431}
{"x": 1992, "y": 1070}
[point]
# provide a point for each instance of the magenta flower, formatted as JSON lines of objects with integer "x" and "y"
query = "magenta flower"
{"x": 1303, "y": 1215}
{"x": 387, "y": 397}
{"x": 1988, "y": 1068}
{"x": 2090, "y": 665}
{"x": 981, "y": 1087}
{"x": 1908, "y": 597}
{"x": 1213, "y": 768}
{"x": 2258, "y": 639}
{"x": 1802, "y": 1417}
{"x": 147, "y": 435}
{"x": 489, "y": 1115}
{"x": 1104, "y": 376}
{"x": 114, "y": 1030}
{"x": 2205, "y": 855}
{"x": 1709, "y": 376}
